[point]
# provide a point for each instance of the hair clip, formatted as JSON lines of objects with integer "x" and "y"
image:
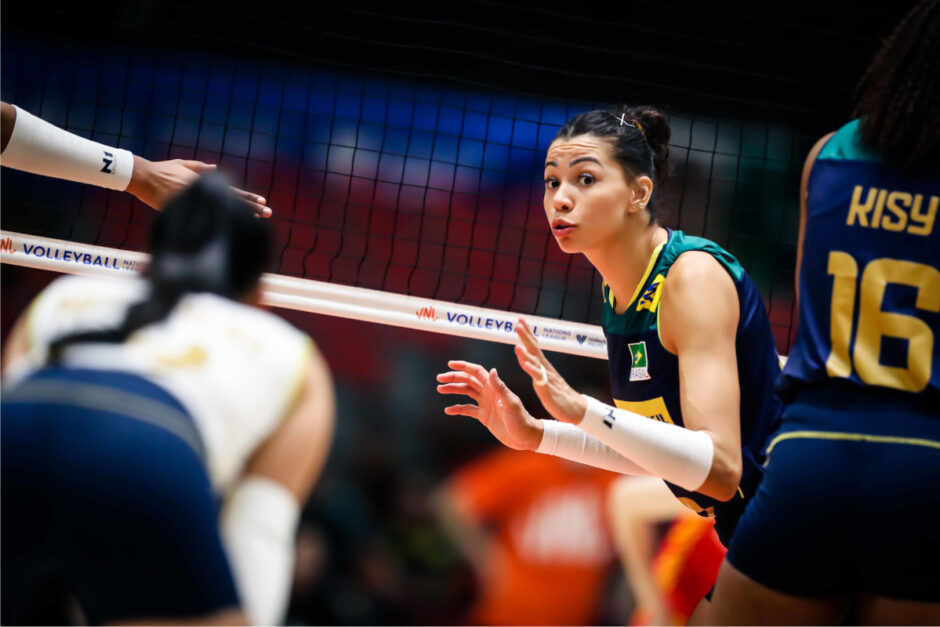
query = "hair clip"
{"x": 634, "y": 123}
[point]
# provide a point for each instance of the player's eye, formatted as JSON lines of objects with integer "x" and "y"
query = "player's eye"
{"x": 586, "y": 178}
{"x": 551, "y": 183}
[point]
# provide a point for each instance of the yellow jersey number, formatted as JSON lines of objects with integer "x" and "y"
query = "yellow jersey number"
{"x": 873, "y": 323}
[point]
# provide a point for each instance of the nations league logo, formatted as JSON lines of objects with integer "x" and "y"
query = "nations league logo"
{"x": 639, "y": 370}
{"x": 581, "y": 338}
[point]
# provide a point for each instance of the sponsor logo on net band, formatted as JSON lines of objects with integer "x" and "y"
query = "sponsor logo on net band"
{"x": 506, "y": 326}
{"x": 72, "y": 256}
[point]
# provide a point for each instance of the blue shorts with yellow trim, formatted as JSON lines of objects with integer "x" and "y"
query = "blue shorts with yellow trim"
{"x": 106, "y": 502}
{"x": 841, "y": 511}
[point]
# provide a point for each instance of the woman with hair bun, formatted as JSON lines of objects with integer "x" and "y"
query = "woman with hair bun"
{"x": 692, "y": 359}
{"x": 160, "y": 433}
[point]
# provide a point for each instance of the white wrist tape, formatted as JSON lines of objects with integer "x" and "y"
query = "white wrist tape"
{"x": 258, "y": 526}
{"x": 568, "y": 441}
{"x": 678, "y": 455}
{"x": 41, "y": 148}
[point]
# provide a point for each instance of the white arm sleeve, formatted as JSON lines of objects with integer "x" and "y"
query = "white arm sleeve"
{"x": 678, "y": 455}
{"x": 258, "y": 526}
{"x": 41, "y": 148}
{"x": 568, "y": 441}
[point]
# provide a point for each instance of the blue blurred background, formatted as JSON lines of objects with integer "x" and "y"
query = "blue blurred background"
{"x": 403, "y": 153}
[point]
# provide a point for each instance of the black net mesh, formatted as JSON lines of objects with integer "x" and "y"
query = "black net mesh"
{"x": 391, "y": 181}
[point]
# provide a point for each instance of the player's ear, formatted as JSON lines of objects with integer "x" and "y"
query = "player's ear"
{"x": 642, "y": 190}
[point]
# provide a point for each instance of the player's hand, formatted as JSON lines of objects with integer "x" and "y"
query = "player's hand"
{"x": 497, "y": 408}
{"x": 156, "y": 182}
{"x": 558, "y": 398}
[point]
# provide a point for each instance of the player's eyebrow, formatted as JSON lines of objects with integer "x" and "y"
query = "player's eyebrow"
{"x": 576, "y": 161}
{"x": 582, "y": 159}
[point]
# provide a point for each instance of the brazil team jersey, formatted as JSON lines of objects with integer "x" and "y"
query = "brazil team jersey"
{"x": 644, "y": 376}
{"x": 869, "y": 282}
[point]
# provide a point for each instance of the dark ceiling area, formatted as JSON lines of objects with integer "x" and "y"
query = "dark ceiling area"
{"x": 786, "y": 61}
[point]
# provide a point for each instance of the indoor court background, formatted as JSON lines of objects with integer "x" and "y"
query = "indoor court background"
{"x": 401, "y": 149}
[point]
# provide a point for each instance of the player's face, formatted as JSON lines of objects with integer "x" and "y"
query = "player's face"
{"x": 586, "y": 193}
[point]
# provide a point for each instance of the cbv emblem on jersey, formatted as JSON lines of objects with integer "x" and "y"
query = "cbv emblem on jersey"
{"x": 639, "y": 364}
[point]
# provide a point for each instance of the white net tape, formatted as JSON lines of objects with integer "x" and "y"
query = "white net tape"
{"x": 357, "y": 303}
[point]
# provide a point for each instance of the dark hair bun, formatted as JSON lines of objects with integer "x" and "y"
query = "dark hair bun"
{"x": 657, "y": 134}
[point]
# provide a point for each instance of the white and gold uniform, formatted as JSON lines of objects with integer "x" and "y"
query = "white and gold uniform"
{"x": 237, "y": 369}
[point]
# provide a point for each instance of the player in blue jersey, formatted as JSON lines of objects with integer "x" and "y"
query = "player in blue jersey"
{"x": 692, "y": 360}
{"x": 850, "y": 504}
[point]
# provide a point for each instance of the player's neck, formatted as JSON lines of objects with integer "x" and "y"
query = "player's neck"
{"x": 624, "y": 261}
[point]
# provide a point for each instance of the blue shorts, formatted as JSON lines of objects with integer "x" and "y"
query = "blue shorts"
{"x": 841, "y": 512}
{"x": 105, "y": 494}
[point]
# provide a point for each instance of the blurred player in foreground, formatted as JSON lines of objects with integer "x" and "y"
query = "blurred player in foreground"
{"x": 132, "y": 407}
{"x": 533, "y": 528}
{"x": 31, "y": 144}
{"x": 851, "y": 500}
{"x": 671, "y": 574}
{"x": 691, "y": 355}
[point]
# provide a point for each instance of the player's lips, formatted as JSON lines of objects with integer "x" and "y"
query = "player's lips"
{"x": 562, "y": 228}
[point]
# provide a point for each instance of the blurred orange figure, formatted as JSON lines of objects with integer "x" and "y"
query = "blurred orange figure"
{"x": 671, "y": 577}
{"x": 534, "y": 528}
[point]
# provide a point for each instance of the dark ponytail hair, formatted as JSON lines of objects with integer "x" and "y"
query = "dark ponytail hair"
{"x": 899, "y": 95}
{"x": 639, "y": 137}
{"x": 207, "y": 239}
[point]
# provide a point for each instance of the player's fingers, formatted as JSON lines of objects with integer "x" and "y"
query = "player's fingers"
{"x": 502, "y": 390}
{"x": 474, "y": 370}
{"x": 198, "y": 167}
{"x": 256, "y": 201}
{"x": 471, "y": 411}
{"x": 459, "y": 377}
{"x": 528, "y": 340}
{"x": 459, "y": 388}
{"x": 524, "y": 357}
{"x": 537, "y": 371}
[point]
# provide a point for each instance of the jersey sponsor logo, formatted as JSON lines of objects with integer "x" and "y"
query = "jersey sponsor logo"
{"x": 892, "y": 210}
{"x": 654, "y": 409}
{"x": 649, "y": 299}
{"x": 639, "y": 365}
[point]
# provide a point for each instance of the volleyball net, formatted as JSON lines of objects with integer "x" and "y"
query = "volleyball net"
{"x": 394, "y": 201}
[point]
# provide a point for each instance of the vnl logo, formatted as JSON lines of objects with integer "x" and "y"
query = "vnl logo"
{"x": 6, "y": 245}
{"x": 427, "y": 313}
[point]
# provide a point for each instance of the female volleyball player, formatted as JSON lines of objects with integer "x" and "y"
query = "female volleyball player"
{"x": 850, "y": 503}
{"x": 31, "y": 144}
{"x": 692, "y": 359}
{"x": 132, "y": 406}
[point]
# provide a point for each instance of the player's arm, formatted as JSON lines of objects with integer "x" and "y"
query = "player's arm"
{"x": 7, "y": 120}
{"x": 34, "y": 145}
{"x": 501, "y": 411}
{"x": 699, "y": 313}
{"x": 634, "y": 506}
{"x": 804, "y": 187}
{"x": 16, "y": 346}
{"x": 463, "y": 527}
{"x": 698, "y": 322}
{"x": 260, "y": 515}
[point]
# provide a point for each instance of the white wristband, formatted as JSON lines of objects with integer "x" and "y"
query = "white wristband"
{"x": 41, "y": 148}
{"x": 258, "y": 526}
{"x": 678, "y": 455}
{"x": 568, "y": 441}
